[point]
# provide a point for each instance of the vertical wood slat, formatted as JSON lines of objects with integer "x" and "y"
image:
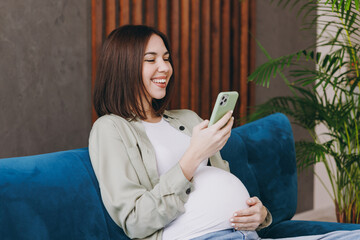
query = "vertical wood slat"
{"x": 185, "y": 53}
{"x": 137, "y": 15}
{"x": 124, "y": 15}
{"x": 174, "y": 39}
{"x": 252, "y": 47}
{"x": 215, "y": 50}
{"x": 96, "y": 41}
{"x": 244, "y": 57}
{"x": 205, "y": 91}
{"x": 236, "y": 51}
{"x": 110, "y": 16}
{"x": 226, "y": 45}
{"x": 163, "y": 16}
{"x": 209, "y": 39}
{"x": 150, "y": 13}
{"x": 194, "y": 54}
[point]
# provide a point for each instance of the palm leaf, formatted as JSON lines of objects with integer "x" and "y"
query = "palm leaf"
{"x": 308, "y": 154}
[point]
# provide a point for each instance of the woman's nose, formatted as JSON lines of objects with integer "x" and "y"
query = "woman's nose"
{"x": 164, "y": 66}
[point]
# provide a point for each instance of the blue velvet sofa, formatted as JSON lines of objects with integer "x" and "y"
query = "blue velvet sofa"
{"x": 56, "y": 195}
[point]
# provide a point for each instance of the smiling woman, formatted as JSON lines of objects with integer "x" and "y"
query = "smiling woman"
{"x": 153, "y": 164}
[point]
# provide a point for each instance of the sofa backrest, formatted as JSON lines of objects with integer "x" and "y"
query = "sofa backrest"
{"x": 262, "y": 155}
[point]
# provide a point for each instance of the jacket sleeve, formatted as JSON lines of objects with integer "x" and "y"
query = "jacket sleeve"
{"x": 140, "y": 212}
{"x": 266, "y": 222}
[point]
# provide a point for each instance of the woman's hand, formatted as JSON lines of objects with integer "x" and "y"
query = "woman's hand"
{"x": 205, "y": 142}
{"x": 250, "y": 218}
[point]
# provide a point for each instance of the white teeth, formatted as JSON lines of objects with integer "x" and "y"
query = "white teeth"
{"x": 159, "y": 80}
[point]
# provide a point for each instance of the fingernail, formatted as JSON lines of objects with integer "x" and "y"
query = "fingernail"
{"x": 231, "y": 220}
{"x": 235, "y": 214}
{"x": 233, "y": 224}
{"x": 231, "y": 111}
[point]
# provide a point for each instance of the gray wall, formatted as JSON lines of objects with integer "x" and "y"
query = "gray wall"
{"x": 278, "y": 30}
{"x": 45, "y": 68}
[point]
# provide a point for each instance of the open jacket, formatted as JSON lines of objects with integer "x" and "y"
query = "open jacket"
{"x": 123, "y": 158}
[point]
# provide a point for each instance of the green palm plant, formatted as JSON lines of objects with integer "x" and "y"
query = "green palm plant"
{"x": 311, "y": 103}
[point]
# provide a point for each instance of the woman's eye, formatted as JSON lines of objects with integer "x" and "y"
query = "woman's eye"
{"x": 149, "y": 60}
{"x": 167, "y": 59}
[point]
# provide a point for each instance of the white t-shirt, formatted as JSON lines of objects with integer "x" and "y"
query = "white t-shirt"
{"x": 216, "y": 194}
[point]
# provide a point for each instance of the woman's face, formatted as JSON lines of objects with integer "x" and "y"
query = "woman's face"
{"x": 157, "y": 69}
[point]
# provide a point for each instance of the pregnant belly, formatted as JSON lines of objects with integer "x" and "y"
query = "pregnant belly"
{"x": 216, "y": 195}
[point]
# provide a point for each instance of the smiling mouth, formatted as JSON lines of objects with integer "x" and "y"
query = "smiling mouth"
{"x": 159, "y": 80}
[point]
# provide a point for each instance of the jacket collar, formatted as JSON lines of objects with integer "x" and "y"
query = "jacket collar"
{"x": 167, "y": 114}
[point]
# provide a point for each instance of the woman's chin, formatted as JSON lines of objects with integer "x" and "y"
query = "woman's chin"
{"x": 159, "y": 96}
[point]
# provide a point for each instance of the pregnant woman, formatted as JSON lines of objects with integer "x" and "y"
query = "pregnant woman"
{"x": 160, "y": 172}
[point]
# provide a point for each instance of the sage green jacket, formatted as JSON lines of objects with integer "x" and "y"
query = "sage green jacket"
{"x": 123, "y": 158}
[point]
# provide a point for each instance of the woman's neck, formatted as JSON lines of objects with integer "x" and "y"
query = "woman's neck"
{"x": 153, "y": 120}
{"x": 151, "y": 116}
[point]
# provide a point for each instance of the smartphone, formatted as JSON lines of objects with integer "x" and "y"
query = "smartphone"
{"x": 225, "y": 102}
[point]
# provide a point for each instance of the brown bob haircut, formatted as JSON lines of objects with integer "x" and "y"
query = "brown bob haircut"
{"x": 119, "y": 85}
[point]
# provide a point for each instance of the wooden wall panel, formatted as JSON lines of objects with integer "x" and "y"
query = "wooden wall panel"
{"x": 225, "y": 45}
{"x": 235, "y": 66}
{"x": 136, "y": 13}
{"x": 174, "y": 36}
{"x": 150, "y": 9}
{"x": 162, "y": 14}
{"x": 244, "y": 59}
{"x": 215, "y": 49}
{"x": 210, "y": 41}
{"x": 205, "y": 60}
{"x": 110, "y": 16}
{"x": 252, "y": 53}
{"x": 195, "y": 55}
{"x": 124, "y": 14}
{"x": 184, "y": 53}
{"x": 96, "y": 40}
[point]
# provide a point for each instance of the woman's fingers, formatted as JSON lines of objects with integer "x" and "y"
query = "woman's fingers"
{"x": 222, "y": 122}
{"x": 253, "y": 201}
{"x": 245, "y": 223}
{"x": 249, "y": 218}
{"x": 206, "y": 141}
{"x": 202, "y": 125}
{"x": 227, "y": 128}
{"x": 245, "y": 227}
